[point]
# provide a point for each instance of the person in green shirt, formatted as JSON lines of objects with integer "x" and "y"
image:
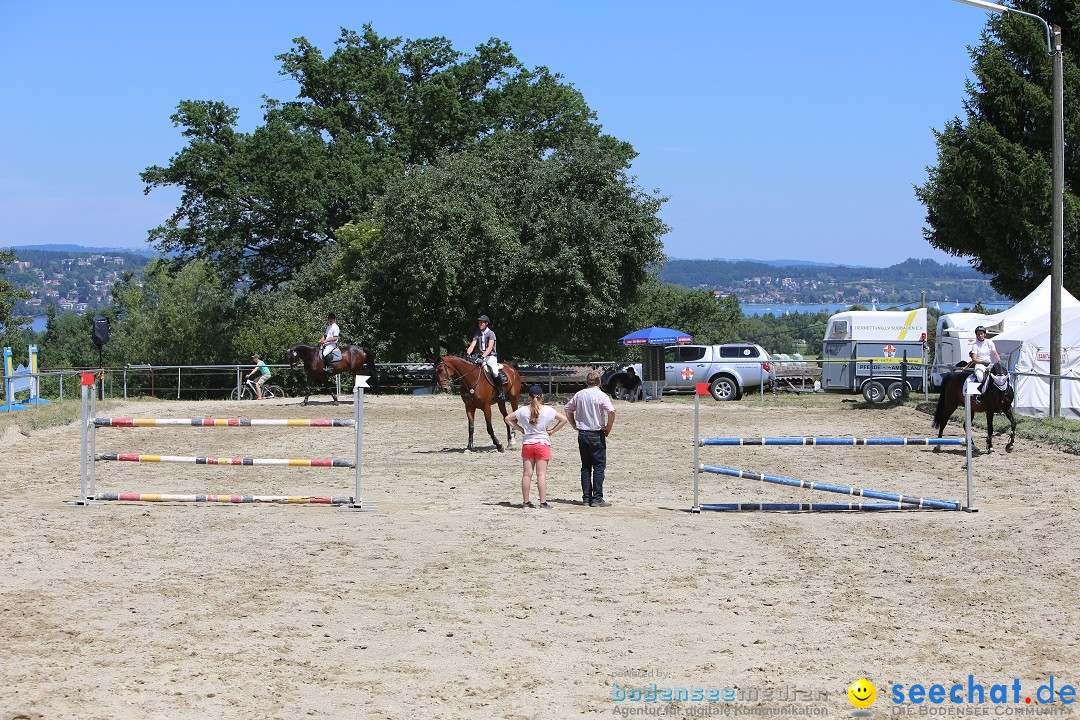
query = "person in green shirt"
{"x": 264, "y": 375}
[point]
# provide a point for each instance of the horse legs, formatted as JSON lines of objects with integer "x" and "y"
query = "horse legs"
{"x": 470, "y": 412}
{"x": 1012, "y": 426}
{"x": 942, "y": 418}
{"x": 307, "y": 393}
{"x": 490, "y": 429}
{"x": 989, "y": 431}
{"x": 509, "y": 430}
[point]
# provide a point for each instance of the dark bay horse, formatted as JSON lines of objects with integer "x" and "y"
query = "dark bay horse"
{"x": 478, "y": 392}
{"x": 354, "y": 360}
{"x": 997, "y": 398}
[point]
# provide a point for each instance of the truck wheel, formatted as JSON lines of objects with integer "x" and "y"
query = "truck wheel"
{"x": 873, "y": 392}
{"x": 724, "y": 388}
{"x": 895, "y": 391}
{"x": 616, "y": 386}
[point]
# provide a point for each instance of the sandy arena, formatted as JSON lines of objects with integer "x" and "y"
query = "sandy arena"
{"x": 451, "y": 601}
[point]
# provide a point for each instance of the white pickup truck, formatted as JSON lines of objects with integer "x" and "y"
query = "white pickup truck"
{"x": 730, "y": 369}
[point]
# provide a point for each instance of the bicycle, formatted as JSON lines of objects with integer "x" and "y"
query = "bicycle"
{"x": 248, "y": 392}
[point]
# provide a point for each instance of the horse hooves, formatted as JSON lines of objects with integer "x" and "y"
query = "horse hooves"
{"x": 1009, "y": 448}
{"x": 467, "y": 450}
{"x": 500, "y": 448}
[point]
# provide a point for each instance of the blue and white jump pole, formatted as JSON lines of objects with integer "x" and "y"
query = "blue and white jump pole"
{"x": 897, "y": 501}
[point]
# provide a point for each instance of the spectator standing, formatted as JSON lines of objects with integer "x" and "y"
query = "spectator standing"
{"x": 535, "y": 423}
{"x": 592, "y": 414}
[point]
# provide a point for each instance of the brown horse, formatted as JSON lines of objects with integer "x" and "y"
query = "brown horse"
{"x": 354, "y": 360}
{"x": 997, "y": 398}
{"x": 477, "y": 391}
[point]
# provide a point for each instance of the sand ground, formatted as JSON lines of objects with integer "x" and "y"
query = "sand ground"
{"x": 451, "y": 601}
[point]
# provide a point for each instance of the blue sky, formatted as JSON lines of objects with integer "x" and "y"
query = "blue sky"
{"x": 780, "y": 130}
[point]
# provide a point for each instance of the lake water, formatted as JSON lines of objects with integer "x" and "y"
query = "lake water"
{"x": 945, "y": 307}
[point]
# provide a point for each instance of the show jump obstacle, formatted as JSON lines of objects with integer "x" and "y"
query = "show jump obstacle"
{"x": 21, "y": 379}
{"x": 89, "y": 497}
{"x": 896, "y": 501}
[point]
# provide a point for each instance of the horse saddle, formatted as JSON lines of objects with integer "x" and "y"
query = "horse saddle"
{"x": 972, "y": 386}
{"x": 503, "y": 378}
{"x": 333, "y": 357}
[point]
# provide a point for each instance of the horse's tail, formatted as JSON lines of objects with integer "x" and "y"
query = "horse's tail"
{"x": 372, "y": 370}
{"x": 940, "y": 418}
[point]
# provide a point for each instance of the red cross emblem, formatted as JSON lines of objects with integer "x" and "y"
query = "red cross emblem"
{"x": 889, "y": 351}
{"x": 687, "y": 373}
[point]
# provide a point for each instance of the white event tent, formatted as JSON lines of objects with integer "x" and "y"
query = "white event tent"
{"x": 1026, "y": 349}
{"x": 956, "y": 331}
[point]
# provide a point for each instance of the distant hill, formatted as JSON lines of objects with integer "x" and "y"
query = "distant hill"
{"x": 754, "y": 281}
{"x": 68, "y": 248}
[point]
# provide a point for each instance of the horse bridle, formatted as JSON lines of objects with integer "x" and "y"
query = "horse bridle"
{"x": 450, "y": 379}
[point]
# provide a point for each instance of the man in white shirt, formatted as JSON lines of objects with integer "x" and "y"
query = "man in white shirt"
{"x": 592, "y": 414}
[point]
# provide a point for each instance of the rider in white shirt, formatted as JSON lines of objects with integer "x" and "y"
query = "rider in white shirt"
{"x": 983, "y": 355}
{"x": 329, "y": 340}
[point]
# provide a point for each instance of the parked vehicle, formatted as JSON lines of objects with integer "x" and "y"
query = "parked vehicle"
{"x": 730, "y": 369}
{"x": 864, "y": 351}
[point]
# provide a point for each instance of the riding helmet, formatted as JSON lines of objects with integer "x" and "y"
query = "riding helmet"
{"x": 980, "y": 329}
{"x": 484, "y": 318}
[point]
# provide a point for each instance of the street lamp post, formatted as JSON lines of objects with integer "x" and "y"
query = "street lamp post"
{"x": 1057, "y": 228}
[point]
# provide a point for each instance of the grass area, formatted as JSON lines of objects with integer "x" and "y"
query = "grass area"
{"x": 54, "y": 414}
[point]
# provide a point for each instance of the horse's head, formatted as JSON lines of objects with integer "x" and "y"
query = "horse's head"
{"x": 293, "y": 357}
{"x": 999, "y": 376}
{"x": 443, "y": 375}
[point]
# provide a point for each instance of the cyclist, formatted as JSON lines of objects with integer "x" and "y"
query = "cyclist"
{"x": 264, "y": 375}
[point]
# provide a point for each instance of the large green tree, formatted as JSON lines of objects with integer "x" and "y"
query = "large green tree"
{"x": 707, "y": 318}
{"x": 552, "y": 245}
{"x": 174, "y": 317}
{"x": 260, "y": 205}
{"x": 10, "y": 324}
{"x": 989, "y": 196}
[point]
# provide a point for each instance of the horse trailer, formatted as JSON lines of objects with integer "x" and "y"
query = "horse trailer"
{"x": 881, "y": 354}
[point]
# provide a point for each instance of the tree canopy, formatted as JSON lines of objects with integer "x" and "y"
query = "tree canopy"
{"x": 989, "y": 195}
{"x": 10, "y": 324}
{"x": 261, "y": 204}
{"x": 552, "y": 245}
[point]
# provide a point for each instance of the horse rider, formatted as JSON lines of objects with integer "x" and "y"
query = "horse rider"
{"x": 983, "y": 354}
{"x": 329, "y": 341}
{"x": 484, "y": 342}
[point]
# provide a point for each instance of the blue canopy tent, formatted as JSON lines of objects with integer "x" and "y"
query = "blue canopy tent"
{"x": 653, "y": 340}
{"x": 655, "y": 336}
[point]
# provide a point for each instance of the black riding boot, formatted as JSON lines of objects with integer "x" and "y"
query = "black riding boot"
{"x": 499, "y": 387}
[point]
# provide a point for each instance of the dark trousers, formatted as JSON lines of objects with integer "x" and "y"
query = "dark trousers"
{"x": 592, "y": 445}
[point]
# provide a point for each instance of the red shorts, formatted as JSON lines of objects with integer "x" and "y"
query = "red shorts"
{"x": 536, "y": 451}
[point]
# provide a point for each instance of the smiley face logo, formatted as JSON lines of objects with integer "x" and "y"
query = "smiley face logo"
{"x": 862, "y": 693}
